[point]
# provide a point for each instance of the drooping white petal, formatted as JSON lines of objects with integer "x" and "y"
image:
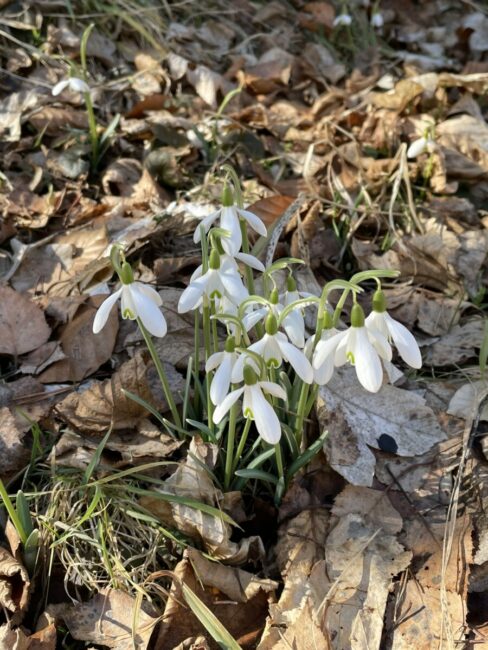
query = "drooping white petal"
{"x": 230, "y": 221}
{"x": 298, "y": 361}
{"x": 226, "y": 404}
{"x": 253, "y": 317}
{"x": 214, "y": 361}
{"x": 206, "y": 222}
{"x": 417, "y": 147}
{"x": 342, "y": 19}
{"x": 221, "y": 381}
{"x": 192, "y": 294}
{"x": 236, "y": 291}
{"x": 127, "y": 306}
{"x": 327, "y": 348}
{"x": 405, "y": 342}
{"x": 237, "y": 374}
{"x": 78, "y": 85}
{"x": 269, "y": 348}
{"x": 254, "y": 221}
{"x": 60, "y": 86}
{"x": 294, "y": 326}
{"x": 377, "y": 19}
{"x": 150, "y": 292}
{"x": 265, "y": 418}
{"x": 273, "y": 389}
{"x": 380, "y": 343}
{"x": 148, "y": 311}
{"x": 366, "y": 361}
{"x": 323, "y": 359}
{"x": 250, "y": 260}
{"x": 345, "y": 346}
{"x": 104, "y": 310}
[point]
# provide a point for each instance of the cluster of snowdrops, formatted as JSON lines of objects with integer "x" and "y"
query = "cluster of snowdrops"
{"x": 258, "y": 352}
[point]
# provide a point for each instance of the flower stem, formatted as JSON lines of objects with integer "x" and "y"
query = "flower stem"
{"x": 231, "y": 436}
{"x": 215, "y": 338}
{"x": 92, "y": 124}
{"x": 242, "y": 444}
{"x": 207, "y": 343}
{"x": 161, "y": 373}
{"x": 197, "y": 355}
{"x": 301, "y": 412}
{"x": 279, "y": 461}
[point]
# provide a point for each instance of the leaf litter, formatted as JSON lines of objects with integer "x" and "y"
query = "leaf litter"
{"x": 379, "y": 542}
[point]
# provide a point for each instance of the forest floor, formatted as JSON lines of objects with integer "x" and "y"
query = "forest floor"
{"x": 381, "y": 541}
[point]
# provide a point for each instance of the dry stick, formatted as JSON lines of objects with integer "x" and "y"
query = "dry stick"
{"x": 282, "y": 222}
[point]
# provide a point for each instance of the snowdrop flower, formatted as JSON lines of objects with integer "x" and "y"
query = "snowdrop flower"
{"x": 323, "y": 364}
{"x": 342, "y": 19}
{"x": 138, "y": 300}
{"x": 354, "y": 345}
{"x": 423, "y": 144}
{"x": 73, "y": 83}
{"x": 380, "y": 321}
{"x": 377, "y": 20}
{"x": 230, "y": 215}
{"x": 224, "y": 362}
{"x": 220, "y": 280}
{"x": 293, "y": 323}
{"x": 255, "y": 406}
{"x": 274, "y": 347}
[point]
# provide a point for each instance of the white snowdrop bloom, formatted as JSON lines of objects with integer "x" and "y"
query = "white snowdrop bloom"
{"x": 224, "y": 363}
{"x": 379, "y": 320}
{"x": 73, "y": 83}
{"x": 342, "y": 19}
{"x": 293, "y": 323}
{"x": 220, "y": 280}
{"x": 354, "y": 345}
{"x": 230, "y": 215}
{"x": 377, "y": 20}
{"x": 423, "y": 144}
{"x": 323, "y": 359}
{"x": 138, "y": 300}
{"x": 255, "y": 406}
{"x": 274, "y": 347}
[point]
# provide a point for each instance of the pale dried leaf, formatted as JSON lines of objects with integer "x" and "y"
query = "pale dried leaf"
{"x": 191, "y": 480}
{"x": 362, "y": 558}
{"x": 356, "y": 419}
{"x": 106, "y": 619}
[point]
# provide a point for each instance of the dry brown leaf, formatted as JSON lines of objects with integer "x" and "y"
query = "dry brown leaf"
{"x": 271, "y": 208}
{"x": 54, "y": 119}
{"x": 398, "y": 99}
{"x": 237, "y": 598}
{"x": 356, "y": 419}
{"x": 293, "y": 621}
{"x": 362, "y": 556}
{"x": 84, "y": 351}
{"x": 121, "y": 175}
{"x": 22, "y": 323}
{"x": 459, "y": 345}
{"x": 134, "y": 448}
{"x": 100, "y": 405}
{"x": 11, "y": 112}
{"x": 422, "y": 618}
{"x": 13, "y": 455}
{"x": 14, "y": 583}
{"x": 39, "y": 359}
{"x": 317, "y": 15}
{"x": 272, "y": 72}
{"x": 191, "y": 480}
{"x": 107, "y": 619}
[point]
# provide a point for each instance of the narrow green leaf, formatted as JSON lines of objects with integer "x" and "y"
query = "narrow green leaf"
{"x": 258, "y": 474}
{"x": 209, "y": 621}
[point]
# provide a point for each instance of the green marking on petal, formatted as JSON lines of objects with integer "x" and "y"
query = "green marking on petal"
{"x": 273, "y": 363}
{"x": 128, "y": 313}
{"x": 350, "y": 357}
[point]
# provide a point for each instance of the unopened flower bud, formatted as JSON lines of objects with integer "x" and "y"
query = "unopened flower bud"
{"x": 291, "y": 285}
{"x": 357, "y": 316}
{"x": 271, "y": 324}
{"x": 214, "y": 260}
